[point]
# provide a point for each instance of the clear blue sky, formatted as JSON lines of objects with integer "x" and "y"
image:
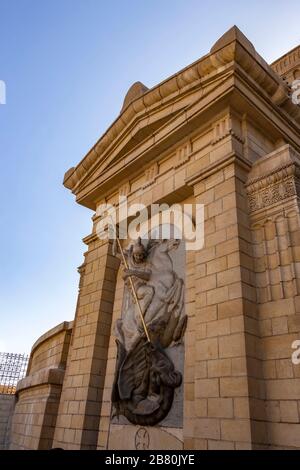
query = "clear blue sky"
{"x": 67, "y": 65}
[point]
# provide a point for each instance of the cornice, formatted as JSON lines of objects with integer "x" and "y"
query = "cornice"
{"x": 64, "y": 326}
{"x": 90, "y": 238}
{"x": 274, "y": 179}
{"x": 279, "y": 174}
{"x": 47, "y": 376}
{"x": 143, "y": 155}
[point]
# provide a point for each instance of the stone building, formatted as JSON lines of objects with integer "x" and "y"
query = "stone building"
{"x": 223, "y": 132}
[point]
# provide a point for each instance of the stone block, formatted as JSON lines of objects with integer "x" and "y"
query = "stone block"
{"x": 206, "y": 388}
{"x": 220, "y": 408}
{"x": 207, "y": 349}
{"x": 208, "y": 428}
{"x": 236, "y": 430}
{"x": 289, "y": 411}
{"x": 232, "y": 345}
{"x": 234, "y": 387}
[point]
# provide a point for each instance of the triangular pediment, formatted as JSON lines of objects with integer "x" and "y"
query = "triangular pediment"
{"x": 139, "y": 133}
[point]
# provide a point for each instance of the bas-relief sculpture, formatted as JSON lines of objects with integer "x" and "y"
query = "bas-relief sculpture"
{"x": 145, "y": 377}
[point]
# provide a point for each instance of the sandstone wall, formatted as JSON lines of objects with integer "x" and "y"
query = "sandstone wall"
{"x": 38, "y": 394}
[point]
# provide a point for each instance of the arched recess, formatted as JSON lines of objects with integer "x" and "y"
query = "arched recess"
{"x": 173, "y": 422}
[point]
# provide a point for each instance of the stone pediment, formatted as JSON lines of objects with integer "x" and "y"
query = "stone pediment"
{"x": 149, "y": 118}
{"x": 140, "y": 131}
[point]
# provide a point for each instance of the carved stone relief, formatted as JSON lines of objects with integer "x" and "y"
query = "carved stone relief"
{"x": 142, "y": 439}
{"x": 145, "y": 377}
{"x": 275, "y": 187}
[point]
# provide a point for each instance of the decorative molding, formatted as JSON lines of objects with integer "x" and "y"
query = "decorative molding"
{"x": 269, "y": 189}
{"x": 224, "y": 128}
{"x": 287, "y": 62}
{"x": 217, "y": 166}
{"x": 271, "y": 195}
{"x": 142, "y": 439}
{"x": 232, "y": 47}
{"x": 151, "y": 174}
{"x": 81, "y": 268}
{"x": 125, "y": 189}
{"x": 90, "y": 238}
{"x": 47, "y": 376}
{"x": 278, "y": 174}
{"x": 183, "y": 154}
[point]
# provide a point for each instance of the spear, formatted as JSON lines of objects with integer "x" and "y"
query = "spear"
{"x": 132, "y": 285}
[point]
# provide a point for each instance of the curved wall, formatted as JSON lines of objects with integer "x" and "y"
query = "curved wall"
{"x": 38, "y": 394}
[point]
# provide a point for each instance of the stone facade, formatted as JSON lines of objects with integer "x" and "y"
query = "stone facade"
{"x": 222, "y": 132}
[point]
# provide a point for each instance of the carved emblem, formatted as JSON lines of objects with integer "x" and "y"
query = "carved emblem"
{"x": 142, "y": 439}
{"x": 145, "y": 377}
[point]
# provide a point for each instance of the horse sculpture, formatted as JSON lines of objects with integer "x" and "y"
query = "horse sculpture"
{"x": 145, "y": 378}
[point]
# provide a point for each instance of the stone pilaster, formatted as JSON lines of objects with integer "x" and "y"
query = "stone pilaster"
{"x": 273, "y": 192}
{"x": 225, "y": 321}
{"x": 80, "y": 404}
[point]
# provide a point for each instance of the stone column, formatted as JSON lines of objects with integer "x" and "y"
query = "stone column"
{"x": 79, "y": 410}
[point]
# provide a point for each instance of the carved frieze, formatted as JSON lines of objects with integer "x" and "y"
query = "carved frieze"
{"x": 274, "y": 187}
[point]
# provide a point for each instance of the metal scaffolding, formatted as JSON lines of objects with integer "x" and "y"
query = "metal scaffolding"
{"x": 12, "y": 369}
